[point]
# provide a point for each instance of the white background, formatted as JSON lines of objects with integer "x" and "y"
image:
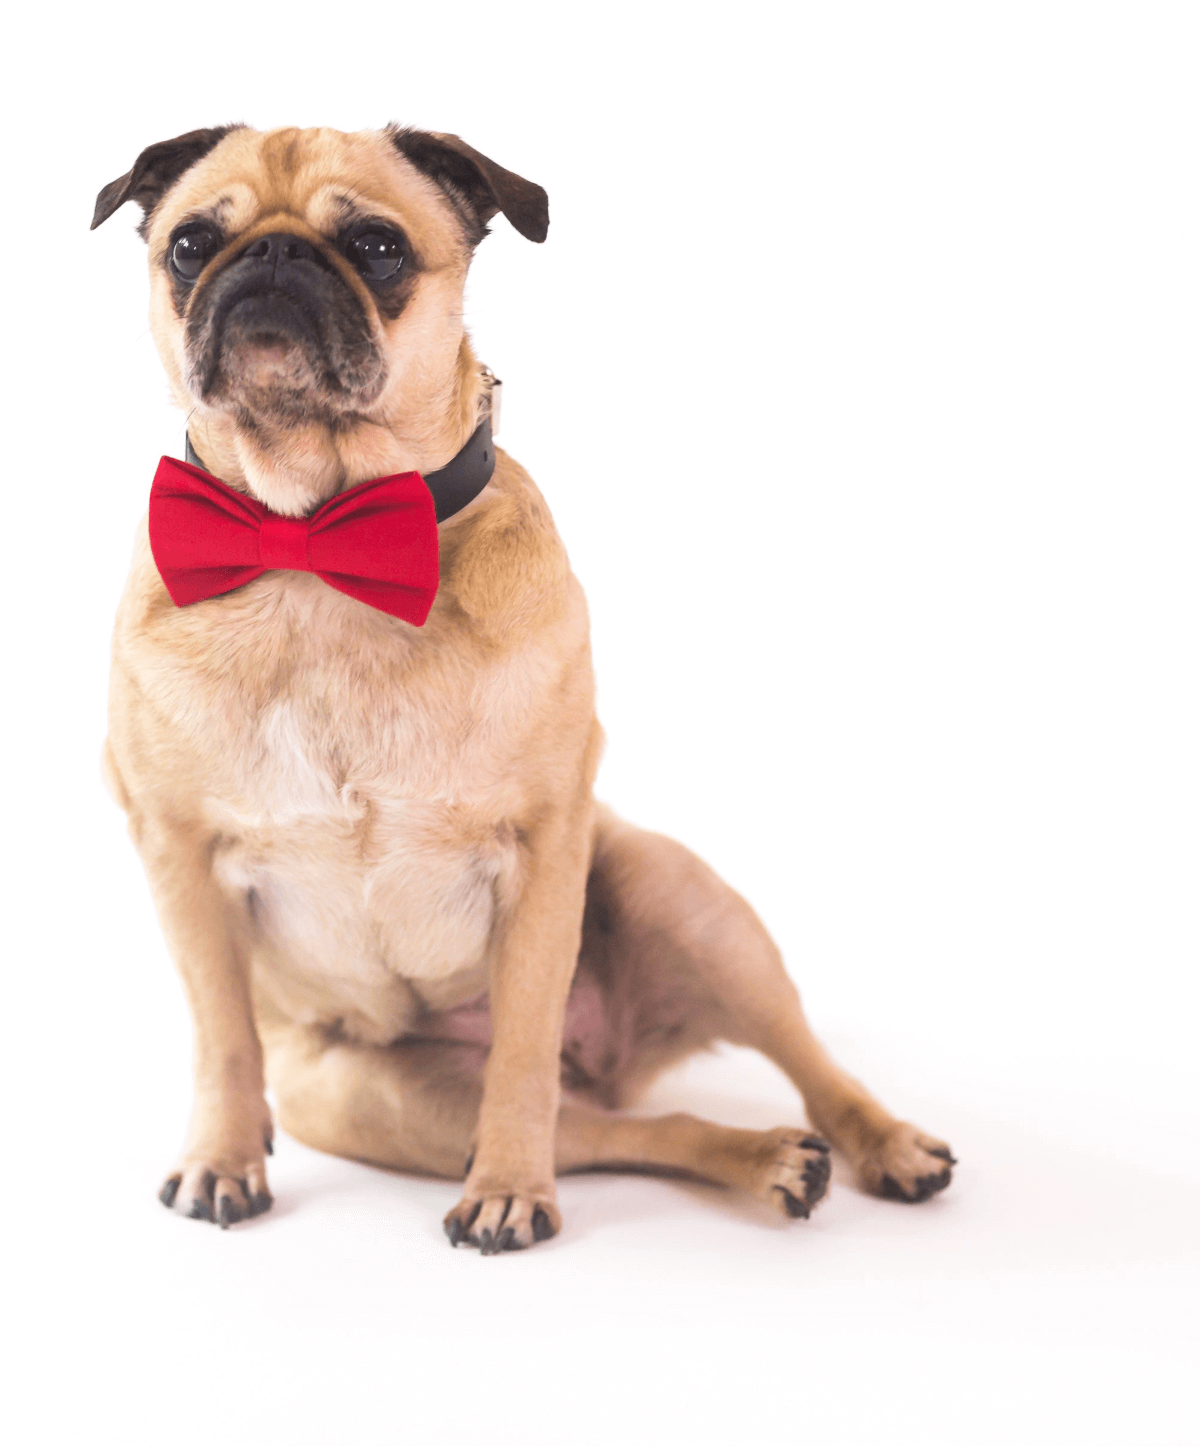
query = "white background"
{"x": 859, "y": 370}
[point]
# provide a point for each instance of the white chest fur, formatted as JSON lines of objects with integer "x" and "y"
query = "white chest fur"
{"x": 362, "y": 898}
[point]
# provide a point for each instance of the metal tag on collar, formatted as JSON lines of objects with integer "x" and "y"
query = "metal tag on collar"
{"x": 494, "y": 385}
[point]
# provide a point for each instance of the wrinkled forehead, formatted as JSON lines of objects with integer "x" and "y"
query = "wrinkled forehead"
{"x": 325, "y": 178}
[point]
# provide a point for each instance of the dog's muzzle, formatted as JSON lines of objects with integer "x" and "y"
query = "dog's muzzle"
{"x": 283, "y": 292}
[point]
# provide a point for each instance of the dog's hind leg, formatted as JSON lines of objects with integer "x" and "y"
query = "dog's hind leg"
{"x": 672, "y": 959}
{"x": 786, "y": 1168}
{"x": 681, "y": 959}
{"x": 408, "y": 1106}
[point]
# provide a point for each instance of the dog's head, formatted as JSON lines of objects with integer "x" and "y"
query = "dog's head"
{"x": 307, "y": 284}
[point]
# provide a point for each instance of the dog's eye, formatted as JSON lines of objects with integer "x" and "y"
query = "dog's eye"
{"x": 191, "y": 249}
{"x": 378, "y": 255}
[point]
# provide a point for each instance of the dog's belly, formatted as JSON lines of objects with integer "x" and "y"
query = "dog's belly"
{"x": 367, "y": 916}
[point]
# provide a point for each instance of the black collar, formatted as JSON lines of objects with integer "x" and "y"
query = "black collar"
{"x": 460, "y": 481}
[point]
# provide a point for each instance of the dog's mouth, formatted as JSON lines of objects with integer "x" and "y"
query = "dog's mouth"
{"x": 278, "y": 341}
{"x": 266, "y": 343}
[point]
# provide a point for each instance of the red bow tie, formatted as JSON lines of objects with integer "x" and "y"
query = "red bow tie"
{"x": 377, "y": 542}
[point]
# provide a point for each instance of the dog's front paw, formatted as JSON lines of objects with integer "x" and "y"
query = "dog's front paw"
{"x": 220, "y": 1186}
{"x": 497, "y": 1222}
{"x": 906, "y": 1165}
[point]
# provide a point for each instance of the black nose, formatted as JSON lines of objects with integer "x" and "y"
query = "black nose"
{"x": 281, "y": 249}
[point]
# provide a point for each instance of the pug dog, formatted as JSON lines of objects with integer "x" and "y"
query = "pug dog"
{"x": 357, "y": 756}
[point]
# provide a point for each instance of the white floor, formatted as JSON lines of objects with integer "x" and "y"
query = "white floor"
{"x": 1049, "y": 1296}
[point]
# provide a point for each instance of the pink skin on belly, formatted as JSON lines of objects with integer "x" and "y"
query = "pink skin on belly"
{"x": 588, "y": 1036}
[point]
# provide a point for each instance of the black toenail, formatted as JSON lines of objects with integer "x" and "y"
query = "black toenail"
{"x": 229, "y": 1212}
{"x": 507, "y": 1236}
{"x": 797, "y": 1209}
{"x": 201, "y": 1209}
{"x": 455, "y": 1230}
{"x": 486, "y": 1243}
{"x": 542, "y": 1229}
{"x": 168, "y": 1192}
{"x": 890, "y": 1190}
{"x": 816, "y": 1181}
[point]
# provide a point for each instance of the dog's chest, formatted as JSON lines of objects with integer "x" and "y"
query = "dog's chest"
{"x": 365, "y": 818}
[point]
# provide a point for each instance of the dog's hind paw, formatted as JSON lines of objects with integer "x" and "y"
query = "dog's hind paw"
{"x": 794, "y": 1172}
{"x": 906, "y": 1165}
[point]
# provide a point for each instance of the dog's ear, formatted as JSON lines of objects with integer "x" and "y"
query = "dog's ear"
{"x": 477, "y": 186}
{"x": 155, "y": 171}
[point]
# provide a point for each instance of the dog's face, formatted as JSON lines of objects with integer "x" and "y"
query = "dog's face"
{"x": 309, "y": 283}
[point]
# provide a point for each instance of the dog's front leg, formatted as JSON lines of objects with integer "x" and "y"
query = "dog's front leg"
{"x": 509, "y": 1197}
{"x": 222, "y": 1174}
